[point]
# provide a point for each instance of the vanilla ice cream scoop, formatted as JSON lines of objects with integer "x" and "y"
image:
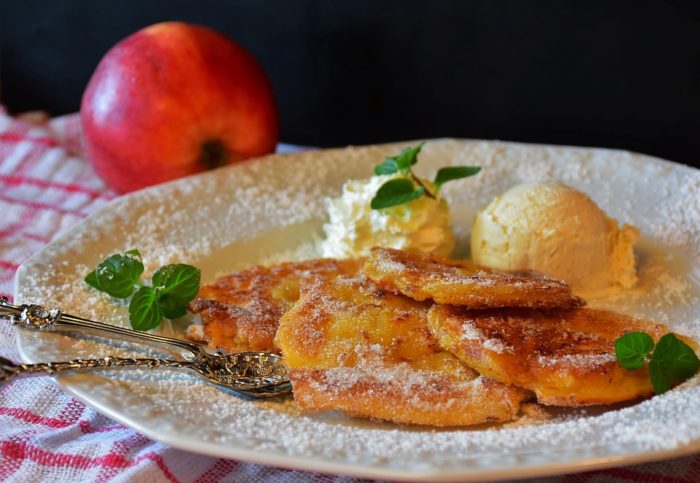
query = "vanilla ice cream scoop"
{"x": 556, "y": 230}
{"x": 353, "y": 227}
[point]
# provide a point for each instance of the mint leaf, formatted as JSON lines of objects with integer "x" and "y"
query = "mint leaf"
{"x": 389, "y": 166}
{"x": 454, "y": 172}
{"x": 401, "y": 163}
{"x": 396, "y": 192}
{"x": 91, "y": 279}
{"x": 171, "y": 307}
{"x": 408, "y": 157}
{"x": 179, "y": 281}
{"x": 672, "y": 361}
{"x": 631, "y": 349}
{"x": 176, "y": 285}
{"x": 144, "y": 311}
{"x": 660, "y": 377}
{"x": 686, "y": 362}
{"x": 118, "y": 274}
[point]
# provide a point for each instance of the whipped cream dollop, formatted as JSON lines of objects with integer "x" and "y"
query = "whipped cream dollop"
{"x": 354, "y": 227}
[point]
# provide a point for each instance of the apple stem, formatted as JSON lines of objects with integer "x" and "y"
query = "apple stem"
{"x": 214, "y": 154}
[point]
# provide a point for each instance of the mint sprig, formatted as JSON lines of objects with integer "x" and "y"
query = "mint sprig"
{"x": 401, "y": 190}
{"x": 172, "y": 288}
{"x": 671, "y": 361}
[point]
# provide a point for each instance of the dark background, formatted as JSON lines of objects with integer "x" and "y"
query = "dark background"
{"x": 621, "y": 73}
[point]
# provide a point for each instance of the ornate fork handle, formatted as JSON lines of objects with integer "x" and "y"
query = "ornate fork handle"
{"x": 255, "y": 374}
{"x": 37, "y": 317}
{"x": 8, "y": 369}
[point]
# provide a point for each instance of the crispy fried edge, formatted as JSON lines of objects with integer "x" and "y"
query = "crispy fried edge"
{"x": 441, "y": 403}
{"x": 543, "y": 292}
{"x": 214, "y": 312}
{"x": 569, "y": 385}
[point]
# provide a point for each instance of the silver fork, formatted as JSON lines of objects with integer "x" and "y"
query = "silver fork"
{"x": 238, "y": 377}
{"x": 256, "y": 374}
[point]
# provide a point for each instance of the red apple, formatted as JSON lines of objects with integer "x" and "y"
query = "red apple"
{"x": 174, "y": 99}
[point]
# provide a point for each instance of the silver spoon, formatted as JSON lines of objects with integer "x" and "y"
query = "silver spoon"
{"x": 256, "y": 374}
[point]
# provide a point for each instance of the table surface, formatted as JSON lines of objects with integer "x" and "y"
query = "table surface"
{"x": 47, "y": 187}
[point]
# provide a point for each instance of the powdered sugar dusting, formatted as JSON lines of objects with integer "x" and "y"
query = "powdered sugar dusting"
{"x": 210, "y": 221}
{"x": 470, "y": 332}
{"x": 682, "y": 211}
{"x": 578, "y": 360}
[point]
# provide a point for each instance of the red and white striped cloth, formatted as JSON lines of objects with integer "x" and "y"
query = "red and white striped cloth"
{"x": 45, "y": 435}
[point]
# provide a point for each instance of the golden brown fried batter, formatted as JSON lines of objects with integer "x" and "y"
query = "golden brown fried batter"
{"x": 402, "y": 394}
{"x": 423, "y": 276}
{"x": 567, "y": 357}
{"x": 352, "y": 346}
{"x": 241, "y": 311}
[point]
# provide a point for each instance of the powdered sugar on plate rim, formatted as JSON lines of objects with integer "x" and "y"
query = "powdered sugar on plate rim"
{"x": 272, "y": 209}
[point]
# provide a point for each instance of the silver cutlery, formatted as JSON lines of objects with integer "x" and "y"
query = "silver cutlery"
{"x": 255, "y": 374}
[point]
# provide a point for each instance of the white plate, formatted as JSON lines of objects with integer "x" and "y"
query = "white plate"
{"x": 273, "y": 209}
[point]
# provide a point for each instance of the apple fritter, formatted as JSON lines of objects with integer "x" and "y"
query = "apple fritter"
{"x": 402, "y": 394}
{"x": 241, "y": 311}
{"x": 354, "y": 347}
{"x": 424, "y": 276}
{"x": 566, "y": 357}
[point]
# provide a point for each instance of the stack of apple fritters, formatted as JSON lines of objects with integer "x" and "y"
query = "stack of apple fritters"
{"x": 414, "y": 338}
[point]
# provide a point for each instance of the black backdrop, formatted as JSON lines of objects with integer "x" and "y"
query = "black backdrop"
{"x": 614, "y": 73}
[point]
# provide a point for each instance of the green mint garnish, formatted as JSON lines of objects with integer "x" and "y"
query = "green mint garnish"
{"x": 144, "y": 311}
{"x": 409, "y": 187}
{"x": 117, "y": 275}
{"x": 91, "y": 280}
{"x": 672, "y": 360}
{"x": 454, "y": 172}
{"x": 171, "y": 307}
{"x": 401, "y": 163}
{"x": 389, "y": 166}
{"x": 396, "y": 192}
{"x": 179, "y": 280}
{"x": 631, "y": 349}
{"x": 173, "y": 286}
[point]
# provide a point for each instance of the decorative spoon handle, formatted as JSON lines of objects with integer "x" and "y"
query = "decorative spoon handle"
{"x": 37, "y": 317}
{"x": 8, "y": 369}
